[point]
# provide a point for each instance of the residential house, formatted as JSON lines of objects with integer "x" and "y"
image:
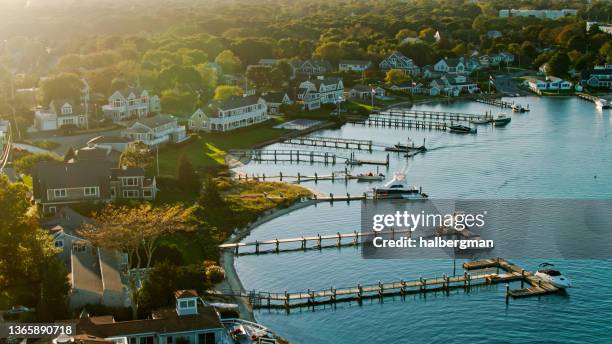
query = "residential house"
{"x": 361, "y": 91}
{"x": 274, "y": 100}
{"x": 550, "y": 83}
{"x": 131, "y": 103}
{"x": 397, "y": 60}
{"x": 236, "y": 112}
{"x": 505, "y": 57}
{"x": 313, "y": 67}
{"x": 599, "y": 76}
{"x": 471, "y": 64}
{"x": 489, "y": 60}
{"x": 56, "y": 184}
{"x": 354, "y": 65}
{"x": 428, "y": 72}
{"x": 450, "y": 66}
{"x": 156, "y": 130}
{"x": 323, "y": 90}
{"x": 60, "y": 114}
{"x": 603, "y": 27}
{"x": 461, "y": 83}
{"x": 548, "y": 14}
{"x": 94, "y": 273}
{"x": 191, "y": 321}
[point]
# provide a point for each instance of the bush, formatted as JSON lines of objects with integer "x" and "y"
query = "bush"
{"x": 215, "y": 274}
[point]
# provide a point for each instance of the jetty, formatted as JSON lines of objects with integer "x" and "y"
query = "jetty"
{"x": 481, "y": 272}
{"x": 601, "y": 103}
{"x": 333, "y": 142}
{"x": 425, "y": 114}
{"x": 302, "y": 156}
{"x": 499, "y": 103}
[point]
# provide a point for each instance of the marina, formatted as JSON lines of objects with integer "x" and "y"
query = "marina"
{"x": 502, "y": 103}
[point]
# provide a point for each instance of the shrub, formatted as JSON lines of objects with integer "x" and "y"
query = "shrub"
{"x": 215, "y": 274}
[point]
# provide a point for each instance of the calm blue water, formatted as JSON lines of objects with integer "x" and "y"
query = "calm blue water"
{"x": 561, "y": 149}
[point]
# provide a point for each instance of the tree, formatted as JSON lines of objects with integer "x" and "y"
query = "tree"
{"x": 404, "y": 33}
{"x": 187, "y": 176}
{"x": 131, "y": 230}
{"x": 427, "y": 34}
{"x": 137, "y": 155}
{"x": 225, "y": 92}
{"x": 558, "y": 65}
{"x": 26, "y": 164}
{"x": 229, "y": 62}
{"x": 395, "y": 76}
{"x": 259, "y": 75}
{"x": 329, "y": 51}
{"x": 61, "y": 86}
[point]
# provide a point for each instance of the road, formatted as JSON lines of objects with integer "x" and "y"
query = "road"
{"x": 74, "y": 141}
{"x": 506, "y": 83}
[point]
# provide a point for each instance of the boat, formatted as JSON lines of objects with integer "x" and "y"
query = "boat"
{"x": 501, "y": 120}
{"x": 398, "y": 188}
{"x": 517, "y": 108}
{"x": 462, "y": 129}
{"x": 602, "y": 104}
{"x": 547, "y": 274}
{"x": 370, "y": 176}
{"x": 481, "y": 120}
{"x": 399, "y": 147}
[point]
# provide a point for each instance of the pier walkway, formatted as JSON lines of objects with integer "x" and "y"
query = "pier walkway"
{"x": 302, "y": 156}
{"x": 431, "y": 115}
{"x": 482, "y": 272}
{"x": 333, "y": 142}
{"x": 496, "y": 102}
{"x": 599, "y": 102}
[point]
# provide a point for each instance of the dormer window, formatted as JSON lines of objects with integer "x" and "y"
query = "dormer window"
{"x": 186, "y": 302}
{"x": 117, "y": 103}
{"x": 66, "y": 109}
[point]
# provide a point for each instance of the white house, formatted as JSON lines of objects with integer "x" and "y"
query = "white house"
{"x": 450, "y": 66}
{"x": 315, "y": 67}
{"x": 550, "y": 83}
{"x": 354, "y": 65}
{"x": 156, "y": 130}
{"x": 397, "y": 60}
{"x": 461, "y": 83}
{"x": 61, "y": 113}
{"x": 549, "y": 14}
{"x": 236, "y": 112}
{"x": 506, "y": 57}
{"x": 599, "y": 76}
{"x": 274, "y": 100}
{"x": 131, "y": 103}
{"x": 323, "y": 90}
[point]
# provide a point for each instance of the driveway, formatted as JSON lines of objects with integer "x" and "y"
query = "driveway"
{"x": 74, "y": 141}
{"x": 506, "y": 83}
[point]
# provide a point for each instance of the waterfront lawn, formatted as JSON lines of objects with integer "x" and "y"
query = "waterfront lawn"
{"x": 256, "y": 197}
{"x": 208, "y": 150}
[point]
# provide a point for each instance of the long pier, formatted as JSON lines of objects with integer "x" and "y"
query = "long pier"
{"x": 482, "y": 272}
{"x": 319, "y": 141}
{"x": 431, "y": 115}
{"x": 298, "y": 156}
{"x": 605, "y": 104}
{"x": 495, "y": 102}
{"x": 390, "y": 122}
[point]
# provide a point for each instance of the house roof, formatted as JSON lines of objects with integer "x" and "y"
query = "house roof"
{"x": 60, "y": 175}
{"x": 238, "y": 102}
{"x": 453, "y": 61}
{"x": 356, "y": 62}
{"x": 326, "y": 81}
{"x": 164, "y": 321}
{"x": 109, "y": 139}
{"x": 126, "y": 91}
{"x": 127, "y": 172}
{"x": 181, "y": 294}
{"x": 91, "y": 153}
{"x": 274, "y": 97}
{"x": 55, "y": 106}
{"x": 155, "y": 121}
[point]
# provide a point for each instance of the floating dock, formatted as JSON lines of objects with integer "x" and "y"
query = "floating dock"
{"x": 482, "y": 272}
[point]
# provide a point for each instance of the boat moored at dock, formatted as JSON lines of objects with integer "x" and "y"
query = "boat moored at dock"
{"x": 398, "y": 188}
{"x": 552, "y": 276}
{"x": 502, "y": 120}
{"x": 462, "y": 129}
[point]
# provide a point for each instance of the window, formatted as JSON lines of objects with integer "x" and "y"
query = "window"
{"x": 169, "y": 340}
{"x": 130, "y": 181}
{"x": 206, "y": 338}
{"x": 91, "y": 191}
{"x": 113, "y": 192}
{"x": 191, "y": 303}
{"x": 59, "y": 193}
{"x": 67, "y": 110}
{"x": 183, "y": 304}
{"x": 52, "y": 210}
{"x": 117, "y": 103}
{"x": 59, "y": 243}
{"x": 147, "y": 193}
{"x": 130, "y": 193}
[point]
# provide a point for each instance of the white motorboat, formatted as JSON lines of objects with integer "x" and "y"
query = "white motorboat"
{"x": 481, "y": 120}
{"x": 547, "y": 274}
{"x": 518, "y": 108}
{"x": 501, "y": 120}
{"x": 398, "y": 188}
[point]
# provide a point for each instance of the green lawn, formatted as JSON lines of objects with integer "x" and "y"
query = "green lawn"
{"x": 208, "y": 149}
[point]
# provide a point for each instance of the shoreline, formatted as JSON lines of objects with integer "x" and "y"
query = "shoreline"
{"x": 226, "y": 260}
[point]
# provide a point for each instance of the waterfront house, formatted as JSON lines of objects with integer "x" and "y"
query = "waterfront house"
{"x": 450, "y": 66}
{"x": 56, "y": 184}
{"x": 323, "y": 90}
{"x": 313, "y": 67}
{"x": 361, "y": 91}
{"x": 397, "y": 60}
{"x": 428, "y": 72}
{"x": 61, "y": 113}
{"x": 550, "y": 83}
{"x": 505, "y": 57}
{"x": 274, "y": 100}
{"x": 190, "y": 321}
{"x": 94, "y": 273}
{"x": 131, "y": 103}
{"x": 462, "y": 83}
{"x": 156, "y": 130}
{"x": 354, "y": 65}
{"x": 599, "y": 76}
{"x": 4, "y": 134}
{"x": 548, "y": 14}
{"x": 236, "y": 112}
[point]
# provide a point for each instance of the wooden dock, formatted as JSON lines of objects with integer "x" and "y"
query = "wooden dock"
{"x": 431, "y": 115}
{"x": 332, "y": 142}
{"x": 484, "y": 272}
{"x": 302, "y": 156}
{"x": 495, "y": 102}
{"x": 396, "y": 122}
{"x": 605, "y": 104}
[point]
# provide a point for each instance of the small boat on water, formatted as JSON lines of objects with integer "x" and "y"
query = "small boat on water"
{"x": 410, "y": 146}
{"x": 602, "y": 104}
{"x": 518, "y": 108}
{"x": 398, "y": 188}
{"x": 552, "y": 276}
{"x": 501, "y": 120}
{"x": 481, "y": 120}
{"x": 462, "y": 129}
{"x": 370, "y": 176}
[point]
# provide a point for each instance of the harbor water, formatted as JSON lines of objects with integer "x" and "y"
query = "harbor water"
{"x": 562, "y": 148}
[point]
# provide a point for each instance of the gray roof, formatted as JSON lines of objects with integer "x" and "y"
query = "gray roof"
{"x": 66, "y": 218}
{"x": 109, "y": 139}
{"x": 326, "y": 81}
{"x": 237, "y": 102}
{"x": 362, "y": 88}
{"x": 91, "y": 153}
{"x": 155, "y": 121}
{"x": 274, "y": 97}
{"x": 126, "y": 91}
{"x": 56, "y": 106}
{"x": 356, "y": 62}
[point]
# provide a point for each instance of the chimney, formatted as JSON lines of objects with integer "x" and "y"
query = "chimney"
{"x": 186, "y": 302}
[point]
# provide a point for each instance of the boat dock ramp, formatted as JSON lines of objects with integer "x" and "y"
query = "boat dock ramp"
{"x": 477, "y": 273}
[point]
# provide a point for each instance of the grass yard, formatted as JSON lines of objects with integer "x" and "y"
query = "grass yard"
{"x": 209, "y": 149}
